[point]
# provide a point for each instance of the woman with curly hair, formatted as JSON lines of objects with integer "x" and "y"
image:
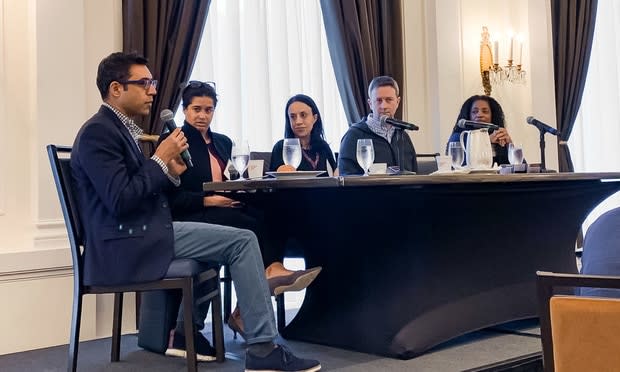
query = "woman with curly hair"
{"x": 486, "y": 109}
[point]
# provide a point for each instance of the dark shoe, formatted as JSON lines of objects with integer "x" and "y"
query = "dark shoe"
{"x": 235, "y": 324}
{"x": 296, "y": 281}
{"x": 280, "y": 359}
{"x": 204, "y": 351}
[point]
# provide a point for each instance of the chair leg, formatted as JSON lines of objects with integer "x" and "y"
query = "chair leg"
{"x": 227, "y": 293}
{"x": 217, "y": 327}
{"x": 188, "y": 320}
{"x": 138, "y": 302}
{"x": 116, "y": 327}
{"x": 281, "y": 312}
{"x": 74, "y": 340}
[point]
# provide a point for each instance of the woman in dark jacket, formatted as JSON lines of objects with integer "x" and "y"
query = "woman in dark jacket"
{"x": 210, "y": 153}
{"x": 302, "y": 120}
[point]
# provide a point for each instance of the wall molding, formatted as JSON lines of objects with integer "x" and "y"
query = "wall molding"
{"x": 42, "y": 274}
{"x": 35, "y": 265}
{"x": 50, "y": 234}
{"x": 51, "y": 256}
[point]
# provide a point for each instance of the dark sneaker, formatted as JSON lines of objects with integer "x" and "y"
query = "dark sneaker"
{"x": 296, "y": 281}
{"x": 204, "y": 351}
{"x": 280, "y": 359}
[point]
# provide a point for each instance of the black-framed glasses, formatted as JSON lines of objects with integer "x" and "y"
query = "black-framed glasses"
{"x": 199, "y": 84}
{"x": 146, "y": 83}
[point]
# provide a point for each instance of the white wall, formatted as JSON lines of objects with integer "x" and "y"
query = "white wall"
{"x": 49, "y": 51}
{"x": 442, "y": 51}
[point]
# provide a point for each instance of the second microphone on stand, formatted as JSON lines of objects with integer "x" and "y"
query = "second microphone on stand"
{"x": 470, "y": 124}
{"x": 397, "y": 123}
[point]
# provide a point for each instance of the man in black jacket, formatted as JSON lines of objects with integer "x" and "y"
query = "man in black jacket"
{"x": 383, "y": 100}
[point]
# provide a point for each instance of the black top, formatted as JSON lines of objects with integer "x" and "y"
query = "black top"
{"x": 188, "y": 198}
{"x": 385, "y": 152}
{"x": 500, "y": 153}
{"x": 319, "y": 154}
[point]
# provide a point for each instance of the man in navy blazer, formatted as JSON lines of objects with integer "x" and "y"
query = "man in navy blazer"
{"x": 123, "y": 200}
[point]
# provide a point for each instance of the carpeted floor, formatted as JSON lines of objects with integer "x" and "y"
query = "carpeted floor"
{"x": 471, "y": 351}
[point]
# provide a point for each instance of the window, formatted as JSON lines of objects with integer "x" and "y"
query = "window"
{"x": 595, "y": 140}
{"x": 260, "y": 53}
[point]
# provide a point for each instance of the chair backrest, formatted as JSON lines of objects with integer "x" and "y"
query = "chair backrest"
{"x": 61, "y": 170}
{"x": 578, "y": 333}
{"x": 427, "y": 163}
{"x": 601, "y": 255}
{"x": 262, "y": 155}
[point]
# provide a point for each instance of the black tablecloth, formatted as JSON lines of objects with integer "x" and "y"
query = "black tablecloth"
{"x": 410, "y": 262}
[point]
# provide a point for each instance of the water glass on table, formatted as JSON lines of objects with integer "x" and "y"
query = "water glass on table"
{"x": 457, "y": 154}
{"x": 444, "y": 163}
{"x": 291, "y": 152}
{"x": 515, "y": 157}
{"x": 515, "y": 153}
{"x": 240, "y": 157}
{"x": 365, "y": 154}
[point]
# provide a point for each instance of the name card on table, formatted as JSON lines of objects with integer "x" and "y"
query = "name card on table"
{"x": 255, "y": 168}
{"x": 378, "y": 168}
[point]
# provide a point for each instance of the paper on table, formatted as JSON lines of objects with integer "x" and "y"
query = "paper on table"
{"x": 229, "y": 166}
{"x": 255, "y": 168}
{"x": 330, "y": 171}
{"x": 378, "y": 168}
{"x": 456, "y": 171}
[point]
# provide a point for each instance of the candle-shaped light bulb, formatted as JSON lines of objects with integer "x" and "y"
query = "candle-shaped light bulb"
{"x": 520, "y": 40}
{"x": 511, "y": 37}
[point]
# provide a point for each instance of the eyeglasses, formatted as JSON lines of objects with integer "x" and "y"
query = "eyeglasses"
{"x": 199, "y": 84}
{"x": 146, "y": 83}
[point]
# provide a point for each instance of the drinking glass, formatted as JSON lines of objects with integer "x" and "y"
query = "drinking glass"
{"x": 515, "y": 153}
{"x": 240, "y": 157}
{"x": 291, "y": 152}
{"x": 365, "y": 154}
{"x": 455, "y": 150}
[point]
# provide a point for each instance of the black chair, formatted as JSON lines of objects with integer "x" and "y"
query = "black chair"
{"x": 265, "y": 156}
{"x": 183, "y": 274}
{"x": 427, "y": 163}
{"x": 292, "y": 249}
{"x": 578, "y": 333}
{"x": 601, "y": 255}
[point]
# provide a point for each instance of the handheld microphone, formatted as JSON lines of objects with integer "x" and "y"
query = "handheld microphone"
{"x": 384, "y": 119}
{"x": 542, "y": 126}
{"x": 469, "y": 124}
{"x": 168, "y": 118}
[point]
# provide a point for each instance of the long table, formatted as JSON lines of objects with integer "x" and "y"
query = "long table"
{"x": 412, "y": 261}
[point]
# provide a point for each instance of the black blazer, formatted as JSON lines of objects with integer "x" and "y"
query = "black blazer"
{"x": 124, "y": 208}
{"x": 187, "y": 199}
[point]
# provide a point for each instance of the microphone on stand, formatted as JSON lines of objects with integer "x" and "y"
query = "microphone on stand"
{"x": 542, "y": 126}
{"x": 470, "y": 124}
{"x": 400, "y": 154}
{"x": 384, "y": 119}
{"x": 168, "y": 118}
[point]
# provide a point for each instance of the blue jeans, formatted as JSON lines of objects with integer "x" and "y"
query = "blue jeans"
{"x": 239, "y": 249}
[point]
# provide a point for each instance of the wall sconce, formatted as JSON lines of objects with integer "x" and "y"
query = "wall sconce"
{"x": 490, "y": 69}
